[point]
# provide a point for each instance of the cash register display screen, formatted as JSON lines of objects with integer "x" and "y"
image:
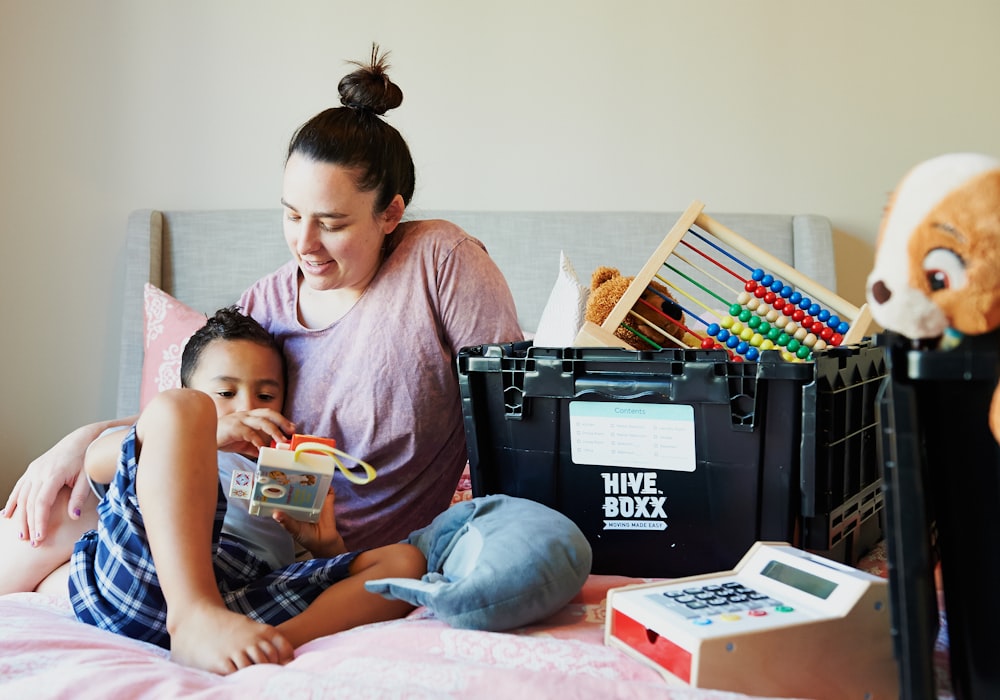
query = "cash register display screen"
{"x": 802, "y": 580}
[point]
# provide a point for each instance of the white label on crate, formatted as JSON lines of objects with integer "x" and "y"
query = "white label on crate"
{"x": 637, "y": 435}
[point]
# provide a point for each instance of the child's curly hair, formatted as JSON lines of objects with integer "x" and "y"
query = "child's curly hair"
{"x": 226, "y": 324}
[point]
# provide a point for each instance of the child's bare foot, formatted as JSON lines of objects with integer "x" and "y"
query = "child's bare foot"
{"x": 221, "y": 641}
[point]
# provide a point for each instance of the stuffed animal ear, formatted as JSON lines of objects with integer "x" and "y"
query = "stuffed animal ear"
{"x": 601, "y": 275}
{"x": 497, "y": 563}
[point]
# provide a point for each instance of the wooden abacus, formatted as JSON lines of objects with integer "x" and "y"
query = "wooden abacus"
{"x": 776, "y": 307}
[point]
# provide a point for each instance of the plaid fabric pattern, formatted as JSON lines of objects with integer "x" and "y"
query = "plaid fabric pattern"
{"x": 113, "y": 584}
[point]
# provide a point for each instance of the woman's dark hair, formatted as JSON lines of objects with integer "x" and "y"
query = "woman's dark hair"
{"x": 354, "y": 136}
{"x": 226, "y": 324}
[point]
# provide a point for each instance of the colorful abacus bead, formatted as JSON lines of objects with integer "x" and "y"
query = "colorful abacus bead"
{"x": 770, "y": 314}
{"x": 734, "y": 336}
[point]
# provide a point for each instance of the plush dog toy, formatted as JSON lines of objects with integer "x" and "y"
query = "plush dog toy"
{"x": 937, "y": 261}
{"x": 607, "y": 286}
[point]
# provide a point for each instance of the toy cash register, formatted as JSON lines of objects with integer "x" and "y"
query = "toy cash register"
{"x": 783, "y": 623}
{"x": 294, "y": 477}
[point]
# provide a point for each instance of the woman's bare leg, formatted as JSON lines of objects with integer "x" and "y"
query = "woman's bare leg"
{"x": 56, "y": 583}
{"x": 176, "y": 483}
{"x": 24, "y": 566}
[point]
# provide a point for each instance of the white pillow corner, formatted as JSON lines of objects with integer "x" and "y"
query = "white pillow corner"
{"x": 563, "y": 314}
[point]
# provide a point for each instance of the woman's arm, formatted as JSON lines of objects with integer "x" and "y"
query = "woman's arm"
{"x": 31, "y": 500}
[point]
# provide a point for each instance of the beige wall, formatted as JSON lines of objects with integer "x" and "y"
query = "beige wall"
{"x": 771, "y": 105}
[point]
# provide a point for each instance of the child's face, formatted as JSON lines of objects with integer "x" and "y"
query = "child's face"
{"x": 240, "y": 375}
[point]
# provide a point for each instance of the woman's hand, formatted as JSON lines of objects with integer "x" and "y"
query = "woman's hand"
{"x": 30, "y": 501}
{"x": 321, "y": 538}
{"x": 245, "y": 432}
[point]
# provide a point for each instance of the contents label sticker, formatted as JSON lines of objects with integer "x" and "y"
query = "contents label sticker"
{"x": 638, "y": 435}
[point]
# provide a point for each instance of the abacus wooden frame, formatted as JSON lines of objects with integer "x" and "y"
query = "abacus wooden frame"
{"x": 603, "y": 335}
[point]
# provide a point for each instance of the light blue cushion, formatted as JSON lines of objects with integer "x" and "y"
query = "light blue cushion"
{"x": 495, "y": 563}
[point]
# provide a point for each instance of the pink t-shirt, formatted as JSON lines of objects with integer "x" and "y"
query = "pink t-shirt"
{"x": 382, "y": 380}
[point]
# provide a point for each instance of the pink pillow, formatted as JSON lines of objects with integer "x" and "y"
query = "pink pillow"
{"x": 167, "y": 325}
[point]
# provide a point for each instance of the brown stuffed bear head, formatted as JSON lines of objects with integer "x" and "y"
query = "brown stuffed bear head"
{"x": 658, "y": 309}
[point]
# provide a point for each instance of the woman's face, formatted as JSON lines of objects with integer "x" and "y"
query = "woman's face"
{"x": 331, "y": 227}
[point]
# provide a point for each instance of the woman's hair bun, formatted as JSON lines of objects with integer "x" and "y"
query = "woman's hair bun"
{"x": 369, "y": 89}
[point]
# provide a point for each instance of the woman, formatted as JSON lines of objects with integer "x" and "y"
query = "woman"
{"x": 371, "y": 312}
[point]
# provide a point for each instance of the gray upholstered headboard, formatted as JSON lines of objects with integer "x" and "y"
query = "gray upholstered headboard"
{"x": 207, "y": 258}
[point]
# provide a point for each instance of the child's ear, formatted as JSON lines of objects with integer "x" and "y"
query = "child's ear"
{"x": 393, "y": 214}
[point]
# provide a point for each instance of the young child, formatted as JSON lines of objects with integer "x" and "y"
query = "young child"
{"x": 159, "y": 566}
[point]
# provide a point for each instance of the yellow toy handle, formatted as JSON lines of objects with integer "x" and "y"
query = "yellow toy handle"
{"x": 334, "y": 453}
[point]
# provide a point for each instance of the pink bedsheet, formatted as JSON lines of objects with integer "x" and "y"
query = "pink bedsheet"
{"x": 45, "y": 653}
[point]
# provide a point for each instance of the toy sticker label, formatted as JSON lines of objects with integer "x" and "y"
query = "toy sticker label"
{"x": 637, "y": 435}
{"x": 240, "y": 484}
{"x": 290, "y": 487}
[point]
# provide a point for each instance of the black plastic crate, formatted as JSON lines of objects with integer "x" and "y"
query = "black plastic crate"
{"x": 841, "y": 475}
{"x": 723, "y": 454}
{"x": 942, "y": 495}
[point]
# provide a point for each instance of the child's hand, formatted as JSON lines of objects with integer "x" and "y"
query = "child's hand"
{"x": 321, "y": 538}
{"x": 245, "y": 432}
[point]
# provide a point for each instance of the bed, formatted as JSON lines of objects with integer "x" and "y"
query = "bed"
{"x": 199, "y": 261}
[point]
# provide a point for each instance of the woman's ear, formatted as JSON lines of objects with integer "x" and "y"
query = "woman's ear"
{"x": 393, "y": 214}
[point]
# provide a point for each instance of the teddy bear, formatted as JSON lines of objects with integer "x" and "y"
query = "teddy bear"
{"x": 936, "y": 276}
{"x": 607, "y": 286}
